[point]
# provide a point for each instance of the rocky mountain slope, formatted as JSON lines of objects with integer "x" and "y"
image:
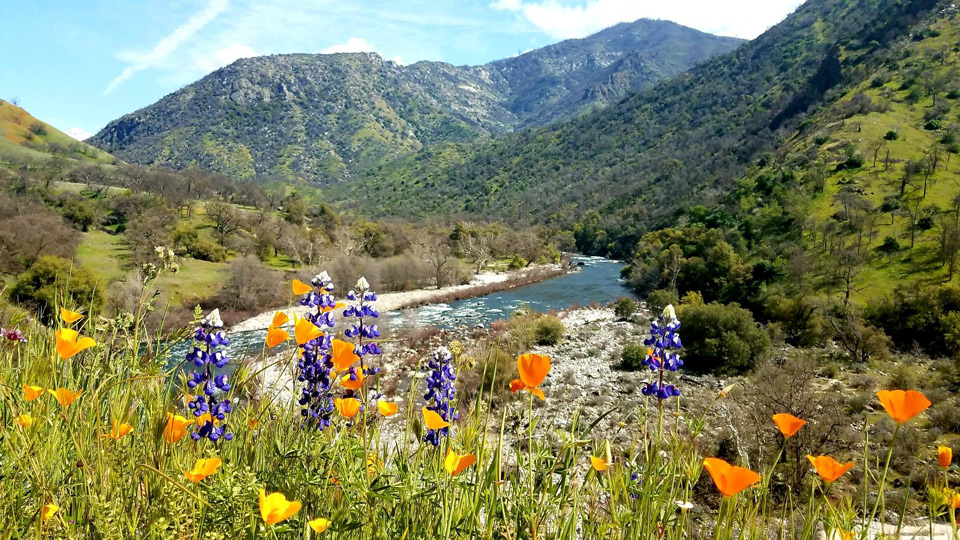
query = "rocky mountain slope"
{"x": 327, "y": 117}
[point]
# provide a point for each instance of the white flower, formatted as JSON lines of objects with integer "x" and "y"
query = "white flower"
{"x": 213, "y": 319}
{"x": 669, "y": 313}
{"x": 362, "y": 284}
{"x": 322, "y": 277}
{"x": 683, "y": 505}
{"x": 159, "y": 250}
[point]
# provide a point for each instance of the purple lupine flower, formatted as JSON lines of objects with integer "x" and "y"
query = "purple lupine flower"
{"x": 13, "y": 336}
{"x": 364, "y": 308}
{"x": 316, "y": 363}
{"x": 441, "y": 392}
{"x": 213, "y": 385}
{"x": 663, "y": 353}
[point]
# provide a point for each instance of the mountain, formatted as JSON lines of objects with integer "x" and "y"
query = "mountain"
{"x": 25, "y": 139}
{"x": 635, "y": 166}
{"x": 79, "y": 134}
{"x": 327, "y": 117}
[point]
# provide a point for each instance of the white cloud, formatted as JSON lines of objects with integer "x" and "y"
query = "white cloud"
{"x": 226, "y": 56}
{"x": 740, "y": 18}
{"x": 163, "y": 48}
{"x": 352, "y": 45}
{"x": 398, "y": 60}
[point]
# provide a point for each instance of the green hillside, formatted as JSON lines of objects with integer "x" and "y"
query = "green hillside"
{"x": 25, "y": 139}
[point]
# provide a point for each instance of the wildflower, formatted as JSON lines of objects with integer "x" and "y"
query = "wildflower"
{"x": 65, "y": 397}
{"x": 69, "y": 343}
{"x": 434, "y": 421}
{"x": 729, "y": 479}
{"x": 176, "y": 428}
{"x": 252, "y": 423}
{"x": 944, "y": 456}
{"x": 599, "y": 464}
{"x": 31, "y": 393}
{"x": 828, "y": 468}
{"x": 319, "y": 525}
{"x": 903, "y": 405}
{"x": 70, "y": 317}
{"x": 13, "y": 336}
{"x": 374, "y": 463}
{"x": 353, "y": 381}
{"x": 844, "y": 535}
{"x": 119, "y": 430}
{"x": 788, "y": 424}
{"x": 202, "y": 469}
{"x": 279, "y": 319}
{"x": 441, "y": 392}
{"x": 387, "y": 408}
{"x": 662, "y": 355}
{"x": 953, "y": 498}
{"x": 365, "y": 313}
{"x": 276, "y": 336}
{"x": 316, "y": 362}
{"x": 25, "y": 420}
{"x": 343, "y": 355}
{"x": 455, "y": 463}
{"x": 533, "y": 369}
{"x": 275, "y": 508}
{"x": 347, "y": 407}
{"x": 300, "y": 287}
{"x": 208, "y": 406}
{"x": 683, "y": 505}
{"x": 48, "y": 511}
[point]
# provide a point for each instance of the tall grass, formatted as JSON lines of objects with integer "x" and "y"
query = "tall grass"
{"x": 371, "y": 477}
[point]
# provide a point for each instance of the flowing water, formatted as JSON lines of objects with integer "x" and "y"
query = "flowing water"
{"x": 593, "y": 279}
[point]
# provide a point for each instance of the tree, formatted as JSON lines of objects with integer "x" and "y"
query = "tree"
{"x": 80, "y": 211}
{"x": 54, "y": 281}
{"x": 226, "y": 220}
{"x": 436, "y": 252}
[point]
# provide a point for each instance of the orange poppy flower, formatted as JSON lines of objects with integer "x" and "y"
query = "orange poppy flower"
{"x": 119, "y": 431}
{"x": 903, "y": 405}
{"x": 944, "y": 456}
{"x": 599, "y": 464}
{"x": 343, "y": 355}
{"x": 828, "y": 468}
{"x": 454, "y": 463}
{"x": 24, "y": 420}
{"x": 48, "y": 511}
{"x": 252, "y": 423}
{"x": 353, "y": 384}
{"x": 319, "y": 525}
{"x": 788, "y": 424}
{"x": 176, "y": 428}
{"x": 347, "y": 407}
{"x": 202, "y": 469}
{"x": 953, "y": 498}
{"x": 275, "y": 508}
{"x": 729, "y": 479}
{"x": 533, "y": 369}
{"x": 433, "y": 420}
{"x": 279, "y": 319}
{"x": 31, "y": 393}
{"x": 306, "y": 331}
{"x": 300, "y": 287}
{"x": 65, "y": 397}
{"x": 387, "y": 408}
{"x": 70, "y": 317}
{"x": 69, "y": 343}
{"x": 276, "y": 336}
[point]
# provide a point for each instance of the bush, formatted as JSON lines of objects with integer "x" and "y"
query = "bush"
{"x": 548, "y": 330}
{"x": 889, "y": 245}
{"x": 206, "y": 250}
{"x": 933, "y": 125}
{"x": 517, "y": 262}
{"x": 891, "y": 135}
{"x": 721, "y": 339}
{"x": 632, "y": 357}
{"x": 659, "y": 299}
{"x": 625, "y": 309}
{"x": 251, "y": 286}
{"x": 54, "y": 281}
{"x": 38, "y": 128}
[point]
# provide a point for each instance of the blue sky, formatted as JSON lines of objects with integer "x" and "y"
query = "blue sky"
{"x": 82, "y": 64}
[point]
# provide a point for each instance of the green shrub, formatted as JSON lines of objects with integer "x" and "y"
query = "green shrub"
{"x": 206, "y": 250}
{"x": 632, "y": 357}
{"x": 517, "y": 262}
{"x": 625, "y": 309}
{"x": 933, "y": 125}
{"x": 659, "y": 299}
{"x": 721, "y": 339}
{"x": 53, "y": 281}
{"x": 891, "y": 135}
{"x": 548, "y": 330}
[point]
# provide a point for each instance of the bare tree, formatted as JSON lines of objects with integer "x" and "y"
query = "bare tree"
{"x": 226, "y": 220}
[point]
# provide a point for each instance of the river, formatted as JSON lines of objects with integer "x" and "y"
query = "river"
{"x": 594, "y": 279}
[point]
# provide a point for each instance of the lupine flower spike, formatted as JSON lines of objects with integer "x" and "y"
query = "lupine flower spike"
{"x": 440, "y": 412}
{"x": 788, "y": 424}
{"x": 366, "y": 334}
{"x": 903, "y": 405}
{"x": 662, "y": 353}
{"x": 275, "y": 508}
{"x": 316, "y": 362}
{"x": 208, "y": 406}
{"x": 730, "y": 480}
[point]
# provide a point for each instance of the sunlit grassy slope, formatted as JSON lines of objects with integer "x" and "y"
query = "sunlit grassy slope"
{"x": 25, "y": 138}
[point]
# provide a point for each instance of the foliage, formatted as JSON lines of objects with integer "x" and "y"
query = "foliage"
{"x": 548, "y": 330}
{"x": 632, "y": 357}
{"x": 625, "y": 308}
{"x": 54, "y": 281}
{"x": 722, "y": 339}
